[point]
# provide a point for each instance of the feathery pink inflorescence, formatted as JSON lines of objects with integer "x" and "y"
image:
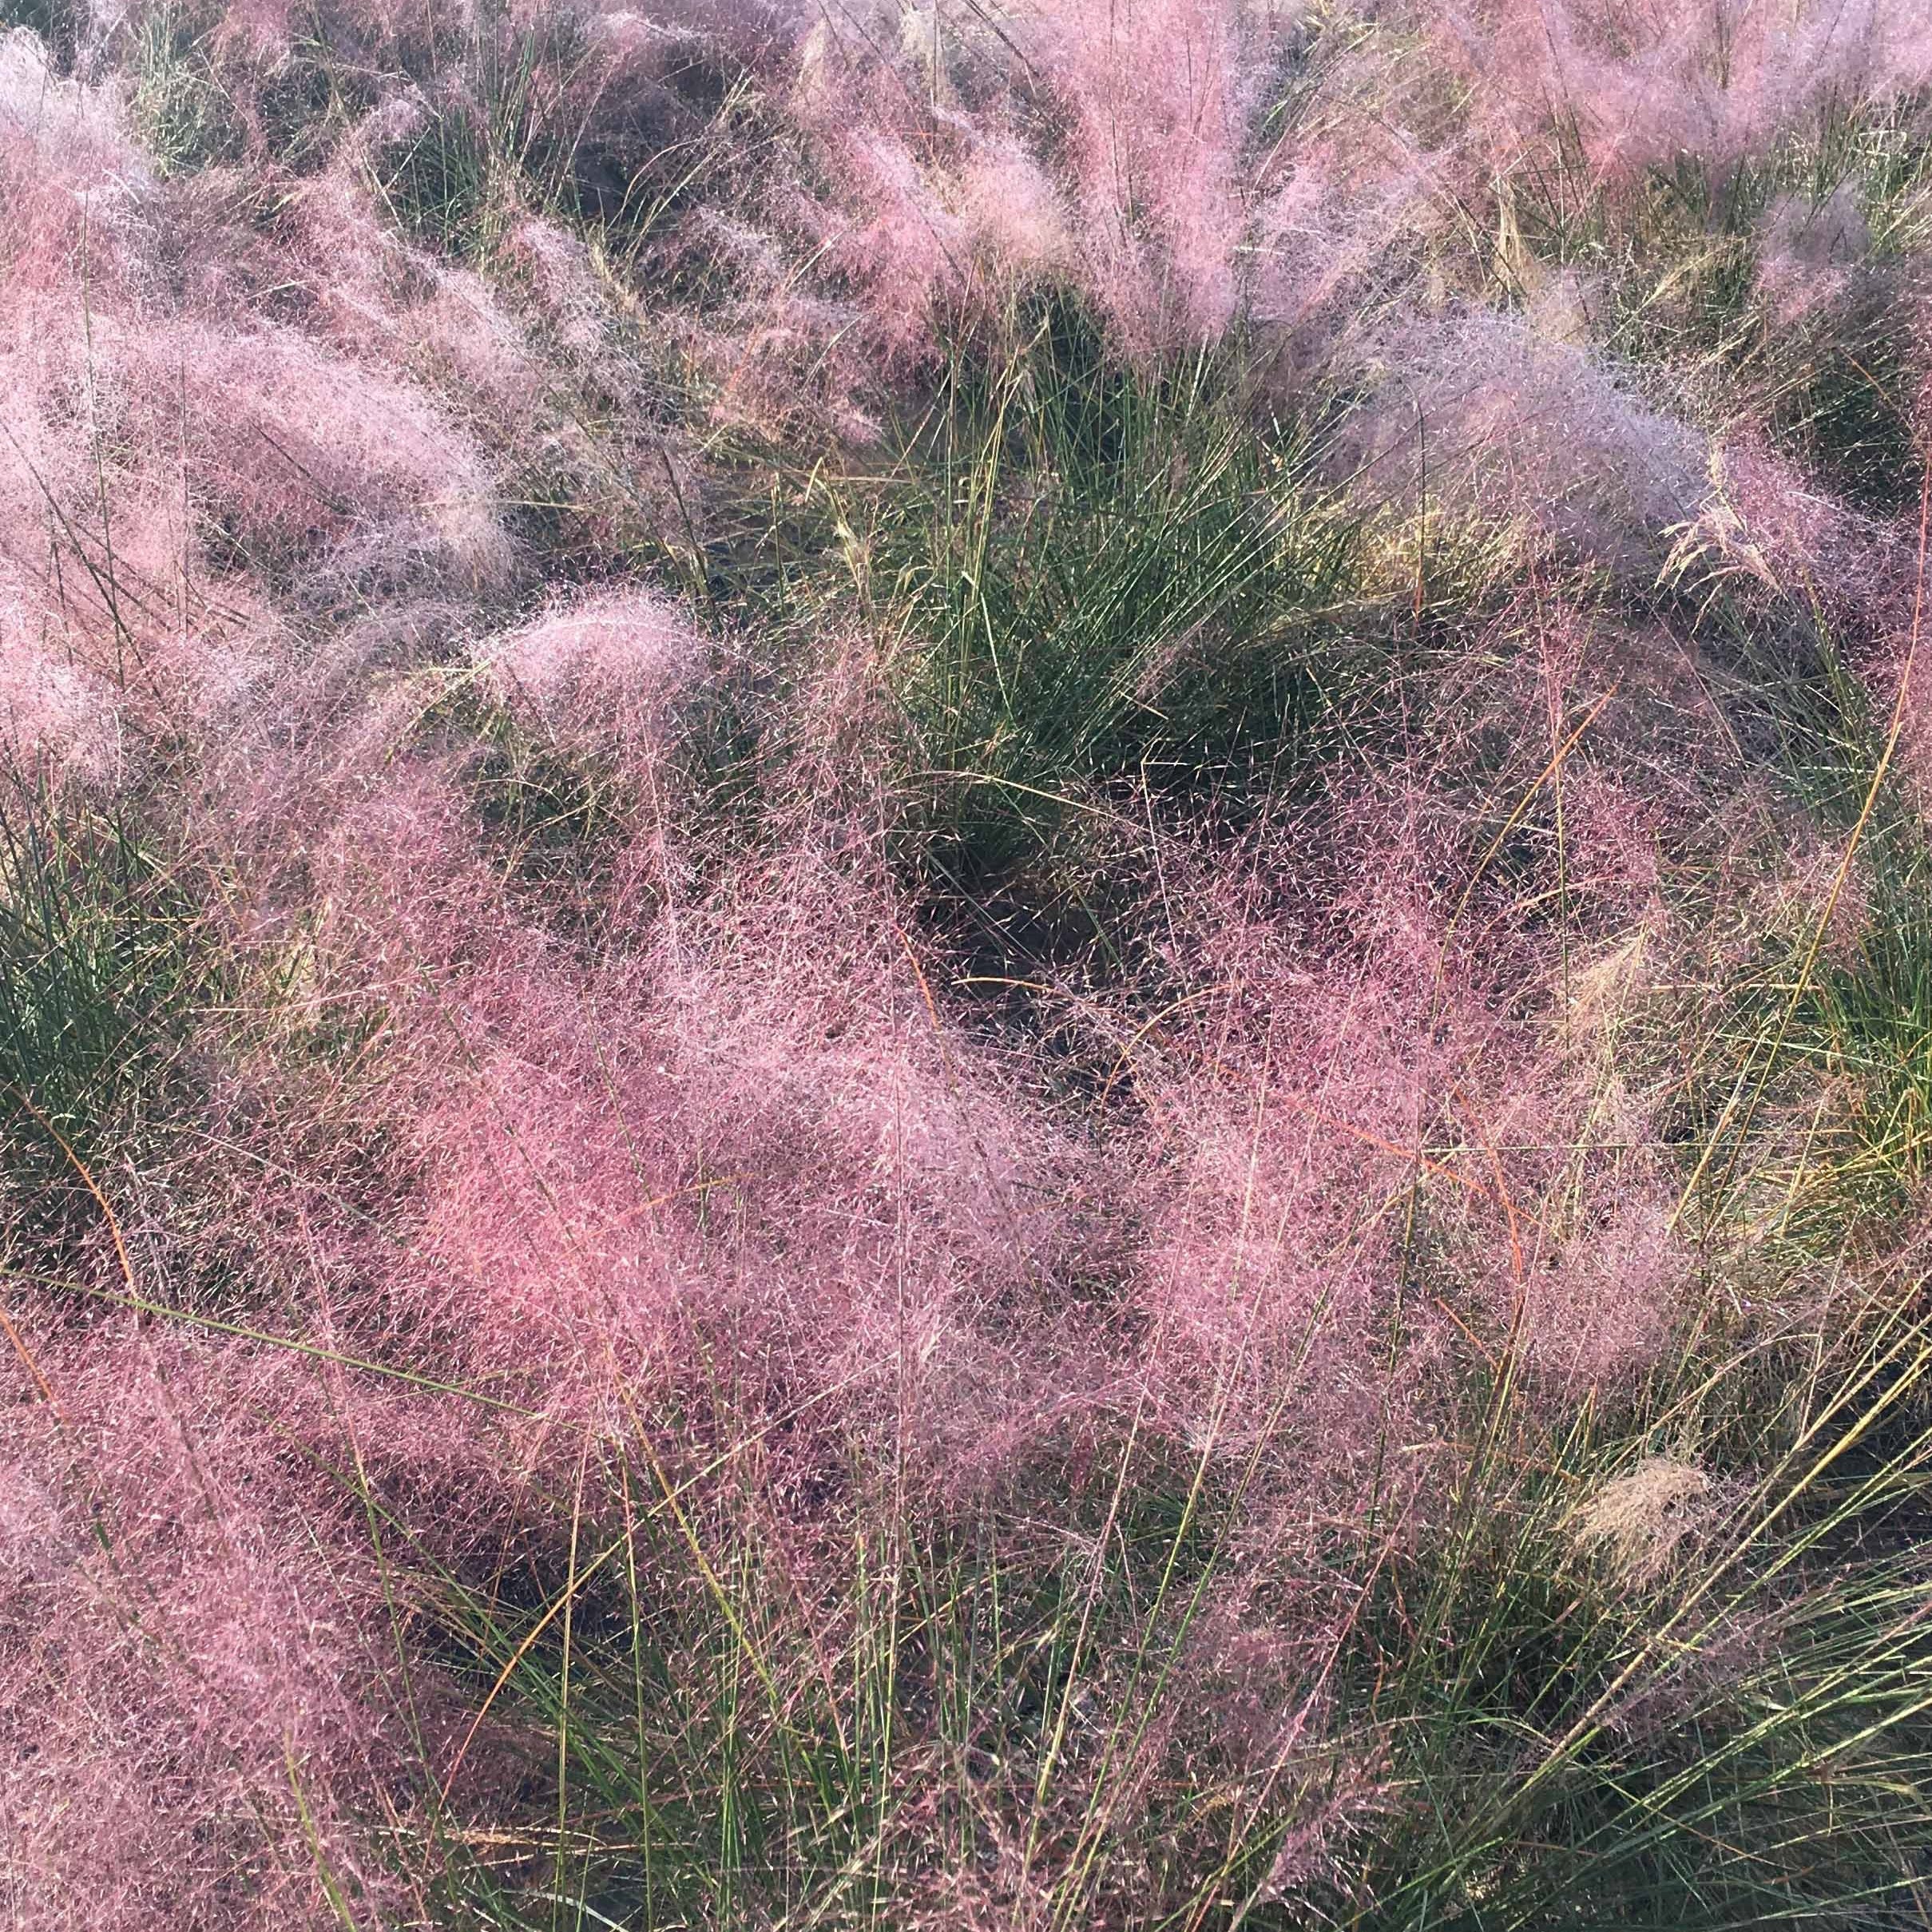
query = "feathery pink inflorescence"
{"x": 1641, "y": 86}
{"x": 1316, "y": 1102}
{"x": 608, "y": 667}
{"x": 190, "y": 1675}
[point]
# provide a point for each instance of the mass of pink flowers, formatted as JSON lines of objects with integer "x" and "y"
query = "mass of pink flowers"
{"x": 556, "y": 1109}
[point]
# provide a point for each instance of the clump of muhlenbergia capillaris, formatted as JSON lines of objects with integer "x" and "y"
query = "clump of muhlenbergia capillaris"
{"x": 964, "y": 968}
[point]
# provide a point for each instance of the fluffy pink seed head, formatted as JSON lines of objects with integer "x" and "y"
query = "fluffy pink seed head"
{"x": 1016, "y": 217}
{"x": 1491, "y": 412}
{"x": 1159, "y": 97}
{"x": 182, "y": 1636}
{"x": 912, "y": 249}
{"x": 55, "y": 718}
{"x": 607, "y": 669}
{"x": 74, "y": 184}
{"x": 1639, "y": 86}
{"x": 557, "y": 265}
{"x": 1808, "y": 251}
{"x": 308, "y": 453}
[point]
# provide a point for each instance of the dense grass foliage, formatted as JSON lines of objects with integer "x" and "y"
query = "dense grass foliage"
{"x": 964, "y": 967}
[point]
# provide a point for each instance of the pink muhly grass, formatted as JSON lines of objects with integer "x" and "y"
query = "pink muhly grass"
{"x": 1641, "y": 87}
{"x": 1112, "y": 148}
{"x": 1323, "y": 234}
{"x": 732, "y": 1179}
{"x": 311, "y": 455}
{"x": 911, "y": 252}
{"x": 1487, "y": 410}
{"x": 1808, "y": 252}
{"x": 67, "y": 422}
{"x": 410, "y": 906}
{"x": 55, "y": 718}
{"x": 1776, "y": 539}
{"x": 949, "y": 219}
{"x": 1016, "y": 220}
{"x": 604, "y": 669}
{"x": 1159, "y": 96}
{"x": 103, "y": 572}
{"x": 1766, "y": 526}
{"x": 189, "y": 1653}
{"x": 475, "y": 356}
{"x": 601, "y": 680}
{"x": 755, "y": 1144}
{"x": 337, "y": 218}
{"x": 1309, "y": 1110}
{"x": 784, "y": 357}
{"x": 558, "y": 267}
{"x": 77, "y": 189}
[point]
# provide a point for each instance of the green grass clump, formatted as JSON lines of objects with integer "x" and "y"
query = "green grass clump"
{"x": 100, "y": 971}
{"x": 184, "y": 115}
{"x": 1108, "y": 592}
